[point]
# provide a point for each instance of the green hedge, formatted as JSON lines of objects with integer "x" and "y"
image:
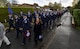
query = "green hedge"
{"x": 4, "y": 12}
{"x": 71, "y": 10}
{"x": 76, "y": 14}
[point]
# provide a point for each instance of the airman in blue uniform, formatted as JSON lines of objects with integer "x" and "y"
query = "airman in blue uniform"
{"x": 30, "y": 16}
{"x": 17, "y": 25}
{"x": 44, "y": 19}
{"x": 11, "y": 22}
{"x": 26, "y": 27}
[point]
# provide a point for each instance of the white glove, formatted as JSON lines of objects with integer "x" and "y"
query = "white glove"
{"x": 28, "y": 34}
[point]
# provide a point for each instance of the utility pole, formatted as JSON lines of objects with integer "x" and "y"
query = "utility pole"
{"x": 60, "y": 4}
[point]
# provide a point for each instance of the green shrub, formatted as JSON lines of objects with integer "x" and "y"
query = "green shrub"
{"x": 4, "y": 12}
{"x": 76, "y": 14}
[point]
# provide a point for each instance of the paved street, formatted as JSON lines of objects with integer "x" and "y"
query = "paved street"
{"x": 66, "y": 37}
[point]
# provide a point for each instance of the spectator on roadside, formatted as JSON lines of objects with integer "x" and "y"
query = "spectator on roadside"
{"x": 3, "y": 36}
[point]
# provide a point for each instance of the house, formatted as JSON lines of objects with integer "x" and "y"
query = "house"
{"x": 3, "y": 3}
{"x": 75, "y": 2}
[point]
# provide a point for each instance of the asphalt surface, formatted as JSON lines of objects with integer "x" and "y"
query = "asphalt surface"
{"x": 66, "y": 36}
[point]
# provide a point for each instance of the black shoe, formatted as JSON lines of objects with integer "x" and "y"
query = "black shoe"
{"x": 36, "y": 43}
{"x": 58, "y": 25}
{"x": 8, "y": 31}
{"x": 16, "y": 37}
{"x": 22, "y": 44}
{"x": 9, "y": 45}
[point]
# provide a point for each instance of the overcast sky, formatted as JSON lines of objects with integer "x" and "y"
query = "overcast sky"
{"x": 65, "y": 3}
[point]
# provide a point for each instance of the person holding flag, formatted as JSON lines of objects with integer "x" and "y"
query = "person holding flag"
{"x": 10, "y": 22}
{"x": 10, "y": 18}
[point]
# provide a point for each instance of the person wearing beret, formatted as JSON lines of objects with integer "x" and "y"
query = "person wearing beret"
{"x": 11, "y": 22}
{"x": 17, "y": 25}
{"x": 26, "y": 29}
{"x": 29, "y": 16}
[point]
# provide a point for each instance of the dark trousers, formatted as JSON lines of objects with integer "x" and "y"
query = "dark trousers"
{"x": 17, "y": 32}
{"x": 11, "y": 25}
{"x": 24, "y": 38}
{"x": 36, "y": 37}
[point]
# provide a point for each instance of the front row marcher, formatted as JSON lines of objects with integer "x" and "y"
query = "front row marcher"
{"x": 17, "y": 25}
{"x": 38, "y": 31}
{"x": 26, "y": 29}
{"x": 3, "y": 36}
